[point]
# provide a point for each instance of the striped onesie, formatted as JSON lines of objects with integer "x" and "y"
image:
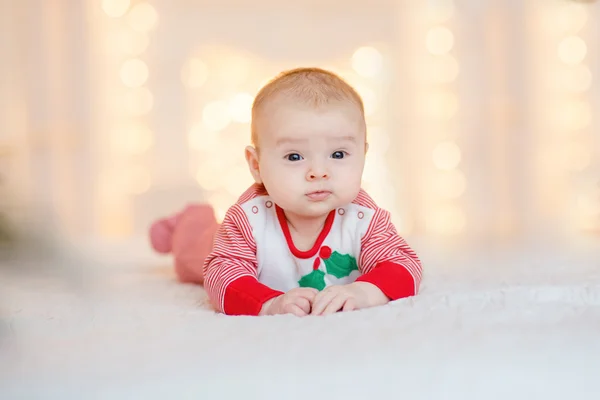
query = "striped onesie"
{"x": 254, "y": 258}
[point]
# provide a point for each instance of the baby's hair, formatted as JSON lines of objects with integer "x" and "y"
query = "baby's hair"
{"x": 313, "y": 86}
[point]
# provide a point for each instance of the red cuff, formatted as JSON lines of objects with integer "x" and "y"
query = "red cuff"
{"x": 392, "y": 279}
{"x": 246, "y": 295}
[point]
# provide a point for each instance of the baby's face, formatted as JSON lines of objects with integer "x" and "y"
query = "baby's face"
{"x": 311, "y": 160}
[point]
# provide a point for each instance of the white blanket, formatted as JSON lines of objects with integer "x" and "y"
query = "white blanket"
{"x": 488, "y": 324}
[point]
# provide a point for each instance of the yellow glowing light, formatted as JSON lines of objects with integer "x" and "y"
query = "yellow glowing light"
{"x": 446, "y": 155}
{"x": 450, "y": 184}
{"x": 446, "y": 220}
{"x": 215, "y": 115}
{"x": 443, "y": 69}
{"x": 132, "y": 139}
{"x": 572, "y": 50}
{"x": 134, "y": 72}
{"x": 194, "y": 73}
{"x": 575, "y": 115}
{"x": 367, "y": 61}
{"x": 138, "y": 101}
{"x": 240, "y": 107}
{"x": 232, "y": 69}
{"x": 143, "y": 17}
{"x": 439, "y": 40}
{"x": 571, "y": 18}
{"x": 200, "y": 138}
{"x": 441, "y": 104}
{"x": 115, "y": 8}
{"x": 578, "y": 79}
{"x": 131, "y": 43}
{"x": 578, "y": 157}
{"x": 440, "y": 10}
{"x": 137, "y": 180}
{"x": 369, "y": 98}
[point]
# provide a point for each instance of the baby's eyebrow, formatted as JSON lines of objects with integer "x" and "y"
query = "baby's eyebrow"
{"x": 289, "y": 140}
{"x": 347, "y": 137}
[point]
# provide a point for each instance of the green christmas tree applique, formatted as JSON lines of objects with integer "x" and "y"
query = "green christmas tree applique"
{"x": 315, "y": 279}
{"x": 340, "y": 265}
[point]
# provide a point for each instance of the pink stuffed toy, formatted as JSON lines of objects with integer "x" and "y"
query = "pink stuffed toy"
{"x": 188, "y": 235}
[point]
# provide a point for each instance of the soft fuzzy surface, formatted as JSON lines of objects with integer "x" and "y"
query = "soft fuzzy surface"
{"x": 491, "y": 322}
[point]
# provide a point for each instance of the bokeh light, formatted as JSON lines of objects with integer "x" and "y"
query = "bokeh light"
{"x": 439, "y": 40}
{"x": 143, "y": 17}
{"x": 572, "y": 50}
{"x": 134, "y": 72}
{"x": 446, "y": 155}
{"x": 215, "y": 115}
{"x": 578, "y": 79}
{"x": 575, "y": 115}
{"x": 440, "y": 10}
{"x": 240, "y": 107}
{"x": 115, "y": 8}
{"x": 367, "y": 62}
{"x": 571, "y": 18}
{"x": 201, "y": 139}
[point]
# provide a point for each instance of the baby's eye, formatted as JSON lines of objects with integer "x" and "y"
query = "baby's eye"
{"x": 338, "y": 154}
{"x": 294, "y": 157}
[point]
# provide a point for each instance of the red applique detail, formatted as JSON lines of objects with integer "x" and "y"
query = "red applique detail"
{"x": 316, "y": 263}
{"x": 325, "y": 252}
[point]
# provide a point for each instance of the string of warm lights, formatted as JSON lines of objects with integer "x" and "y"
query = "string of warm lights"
{"x": 126, "y": 172}
{"x": 575, "y": 116}
{"x": 446, "y": 183}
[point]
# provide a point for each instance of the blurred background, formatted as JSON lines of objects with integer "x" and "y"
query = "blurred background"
{"x": 480, "y": 112}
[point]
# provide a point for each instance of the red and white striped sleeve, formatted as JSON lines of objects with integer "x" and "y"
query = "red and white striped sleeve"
{"x": 387, "y": 261}
{"x": 230, "y": 270}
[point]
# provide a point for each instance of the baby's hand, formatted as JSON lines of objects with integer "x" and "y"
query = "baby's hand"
{"x": 297, "y": 301}
{"x": 347, "y": 298}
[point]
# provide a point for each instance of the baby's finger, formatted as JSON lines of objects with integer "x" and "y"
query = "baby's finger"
{"x": 335, "y": 305}
{"x": 349, "y": 305}
{"x": 321, "y": 301}
{"x": 292, "y": 308}
{"x": 307, "y": 293}
{"x": 303, "y": 303}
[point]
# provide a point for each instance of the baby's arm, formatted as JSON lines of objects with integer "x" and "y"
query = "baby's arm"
{"x": 387, "y": 261}
{"x": 230, "y": 270}
{"x": 390, "y": 270}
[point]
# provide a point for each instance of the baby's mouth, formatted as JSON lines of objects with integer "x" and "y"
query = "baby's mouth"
{"x": 318, "y": 195}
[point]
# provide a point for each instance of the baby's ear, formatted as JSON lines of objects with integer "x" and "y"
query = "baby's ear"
{"x": 252, "y": 160}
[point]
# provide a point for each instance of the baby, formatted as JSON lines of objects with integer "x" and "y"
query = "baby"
{"x": 305, "y": 238}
